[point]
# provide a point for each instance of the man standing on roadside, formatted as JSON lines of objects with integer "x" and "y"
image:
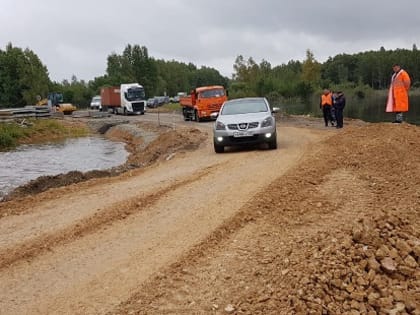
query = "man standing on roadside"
{"x": 398, "y": 93}
{"x": 325, "y": 104}
{"x": 339, "y": 104}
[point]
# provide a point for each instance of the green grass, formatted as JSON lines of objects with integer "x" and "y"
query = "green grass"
{"x": 48, "y": 126}
{"x": 170, "y": 107}
{"x": 9, "y": 135}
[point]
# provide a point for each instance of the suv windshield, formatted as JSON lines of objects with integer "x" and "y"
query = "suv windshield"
{"x": 135, "y": 94}
{"x": 244, "y": 107}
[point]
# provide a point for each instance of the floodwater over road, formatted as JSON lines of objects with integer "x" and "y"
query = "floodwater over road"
{"x": 28, "y": 162}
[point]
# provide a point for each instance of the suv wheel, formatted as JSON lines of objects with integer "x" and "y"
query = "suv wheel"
{"x": 219, "y": 148}
{"x": 272, "y": 145}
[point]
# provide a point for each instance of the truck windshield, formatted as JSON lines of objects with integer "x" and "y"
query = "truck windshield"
{"x": 212, "y": 93}
{"x": 135, "y": 94}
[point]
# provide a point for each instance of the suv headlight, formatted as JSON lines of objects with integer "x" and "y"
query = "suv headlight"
{"x": 220, "y": 125}
{"x": 267, "y": 122}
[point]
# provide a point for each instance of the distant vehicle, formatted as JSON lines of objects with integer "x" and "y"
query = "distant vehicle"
{"x": 124, "y": 99}
{"x": 162, "y": 100}
{"x": 56, "y": 102}
{"x": 203, "y": 102}
{"x": 152, "y": 102}
{"x": 95, "y": 103}
{"x": 245, "y": 121}
{"x": 176, "y": 98}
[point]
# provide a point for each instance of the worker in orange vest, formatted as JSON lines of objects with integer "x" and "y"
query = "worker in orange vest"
{"x": 325, "y": 104}
{"x": 398, "y": 93}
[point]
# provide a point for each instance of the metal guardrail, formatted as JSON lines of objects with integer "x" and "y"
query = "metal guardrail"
{"x": 25, "y": 112}
{"x": 10, "y": 114}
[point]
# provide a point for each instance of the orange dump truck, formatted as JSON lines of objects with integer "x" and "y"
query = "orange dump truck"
{"x": 203, "y": 102}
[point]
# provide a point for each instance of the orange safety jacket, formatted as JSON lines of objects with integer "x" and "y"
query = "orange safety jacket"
{"x": 326, "y": 99}
{"x": 398, "y": 92}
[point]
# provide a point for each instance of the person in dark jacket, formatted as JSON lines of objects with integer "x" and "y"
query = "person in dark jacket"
{"x": 339, "y": 104}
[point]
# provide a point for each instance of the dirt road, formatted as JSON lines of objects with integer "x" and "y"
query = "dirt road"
{"x": 88, "y": 250}
{"x": 249, "y": 231}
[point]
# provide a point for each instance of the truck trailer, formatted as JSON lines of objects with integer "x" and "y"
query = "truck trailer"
{"x": 124, "y": 99}
{"x": 203, "y": 102}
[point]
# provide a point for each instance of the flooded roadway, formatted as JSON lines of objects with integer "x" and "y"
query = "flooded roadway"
{"x": 29, "y": 162}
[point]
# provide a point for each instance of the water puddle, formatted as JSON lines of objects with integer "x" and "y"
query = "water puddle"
{"x": 28, "y": 162}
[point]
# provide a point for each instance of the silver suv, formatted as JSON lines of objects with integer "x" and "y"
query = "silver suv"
{"x": 245, "y": 121}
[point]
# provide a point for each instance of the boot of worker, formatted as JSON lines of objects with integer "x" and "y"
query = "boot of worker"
{"x": 398, "y": 118}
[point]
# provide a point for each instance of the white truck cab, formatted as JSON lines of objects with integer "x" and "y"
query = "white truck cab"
{"x": 133, "y": 99}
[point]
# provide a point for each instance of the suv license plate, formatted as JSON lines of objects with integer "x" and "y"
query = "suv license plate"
{"x": 238, "y": 134}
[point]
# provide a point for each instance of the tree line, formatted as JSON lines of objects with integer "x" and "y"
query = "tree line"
{"x": 359, "y": 73}
{"x": 23, "y": 76}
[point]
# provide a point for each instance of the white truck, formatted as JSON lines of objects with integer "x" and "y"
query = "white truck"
{"x": 128, "y": 98}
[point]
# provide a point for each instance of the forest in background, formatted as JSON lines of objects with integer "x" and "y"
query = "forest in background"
{"x": 23, "y": 76}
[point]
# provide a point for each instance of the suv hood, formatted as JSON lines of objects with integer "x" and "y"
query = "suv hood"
{"x": 247, "y": 118}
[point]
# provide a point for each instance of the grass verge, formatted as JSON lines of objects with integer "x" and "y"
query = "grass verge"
{"x": 166, "y": 108}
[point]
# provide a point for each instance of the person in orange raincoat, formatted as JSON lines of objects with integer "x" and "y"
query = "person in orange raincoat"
{"x": 398, "y": 93}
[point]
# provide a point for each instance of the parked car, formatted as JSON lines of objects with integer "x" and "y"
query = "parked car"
{"x": 176, "y": 98}
{"x": 152, "y": 102}
{"x": 245, "y": 121}
{"x": 162, "y": 100}
{"x": 95, "y": 103}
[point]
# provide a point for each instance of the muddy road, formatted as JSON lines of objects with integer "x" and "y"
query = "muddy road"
{"x": 249, "y": 231}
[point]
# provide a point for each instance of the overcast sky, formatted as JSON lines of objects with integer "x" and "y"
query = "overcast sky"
{"x": 75, "y": 37}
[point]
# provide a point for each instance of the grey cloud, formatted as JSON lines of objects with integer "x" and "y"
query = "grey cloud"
{"x": 76, "y": 37}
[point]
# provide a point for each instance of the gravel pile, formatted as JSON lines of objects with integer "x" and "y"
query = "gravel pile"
{"x": 373, "y": 271}
{"x": 371, "y": 263}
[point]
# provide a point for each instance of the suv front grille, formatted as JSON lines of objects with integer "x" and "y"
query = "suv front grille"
{"x": 243, "y": 126}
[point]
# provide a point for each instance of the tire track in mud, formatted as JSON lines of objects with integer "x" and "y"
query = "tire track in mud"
{"x": 44, "y": 243}
{"x": 286, "y": 208}
{"x": 300, "y": 230}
